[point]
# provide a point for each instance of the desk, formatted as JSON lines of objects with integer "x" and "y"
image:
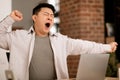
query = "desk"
{"x": 107, "y": 78}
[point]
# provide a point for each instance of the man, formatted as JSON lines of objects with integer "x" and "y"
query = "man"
{"x": 37, "y": 54}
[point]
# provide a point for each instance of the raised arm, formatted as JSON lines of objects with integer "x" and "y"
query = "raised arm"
{"x": 82, "y": 46}
{"x": 9, "y": 20}
{"x": 5, "y": 24}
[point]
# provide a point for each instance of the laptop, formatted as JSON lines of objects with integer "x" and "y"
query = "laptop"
{"x": 92, "y": 66}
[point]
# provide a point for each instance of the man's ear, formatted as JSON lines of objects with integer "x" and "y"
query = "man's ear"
{"x": 34, "y": 17}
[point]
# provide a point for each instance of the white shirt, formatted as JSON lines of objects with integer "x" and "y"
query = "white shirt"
{"x": 21, "y": 44}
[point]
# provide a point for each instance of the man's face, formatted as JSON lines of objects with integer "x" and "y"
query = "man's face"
{"x": 43, "y": 21}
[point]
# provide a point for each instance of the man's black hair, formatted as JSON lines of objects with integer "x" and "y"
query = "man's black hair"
{"x": 43, "y": 5}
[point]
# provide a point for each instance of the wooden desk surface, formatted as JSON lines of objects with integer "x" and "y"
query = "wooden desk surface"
{"x": 107, "y": 78}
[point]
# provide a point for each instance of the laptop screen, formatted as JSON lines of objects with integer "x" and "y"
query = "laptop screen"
{"x": 92, "y": 66}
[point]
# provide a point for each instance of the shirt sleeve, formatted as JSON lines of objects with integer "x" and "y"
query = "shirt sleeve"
{"x": 78, "y": 46}
{"x": 5, "y": 24}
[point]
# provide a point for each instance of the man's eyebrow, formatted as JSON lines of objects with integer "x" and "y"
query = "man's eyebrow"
{"x": 48, "y": 13}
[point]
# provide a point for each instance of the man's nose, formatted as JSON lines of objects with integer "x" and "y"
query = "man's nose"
{"x": 50, "y": 18}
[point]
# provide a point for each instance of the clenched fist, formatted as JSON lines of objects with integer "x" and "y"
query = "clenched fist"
{"x": 113, "y": 46}
{"x": 16, "y": 15}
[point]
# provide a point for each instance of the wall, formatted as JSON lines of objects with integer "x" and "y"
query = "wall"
{"x": 5, "y": 8}
{"x": 82, "y": 19}
{"x": 26, "y": 8}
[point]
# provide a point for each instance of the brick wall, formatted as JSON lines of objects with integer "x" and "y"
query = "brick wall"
{"x": 82, "y": 19}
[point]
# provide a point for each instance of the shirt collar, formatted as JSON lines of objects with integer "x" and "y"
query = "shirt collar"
{"x": 31, "y": 31}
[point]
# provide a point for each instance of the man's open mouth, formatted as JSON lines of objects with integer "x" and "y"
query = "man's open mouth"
{"x": 47, "y": 25}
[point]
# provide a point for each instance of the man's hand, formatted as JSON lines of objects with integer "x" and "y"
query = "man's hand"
{"x": 113, "y": 46}
{"x": 16, "y": 15}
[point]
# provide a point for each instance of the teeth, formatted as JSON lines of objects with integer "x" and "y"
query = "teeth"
{"x": 47, "y": 24}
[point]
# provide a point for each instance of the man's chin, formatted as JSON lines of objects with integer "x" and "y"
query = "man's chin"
{"x": 47, "y": 31}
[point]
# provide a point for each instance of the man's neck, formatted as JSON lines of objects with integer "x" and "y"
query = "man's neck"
{"x": 41, "y": 35}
